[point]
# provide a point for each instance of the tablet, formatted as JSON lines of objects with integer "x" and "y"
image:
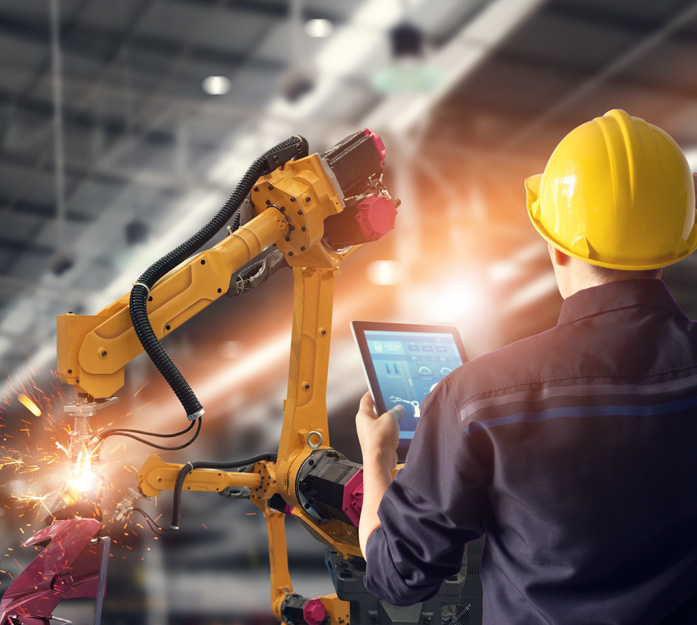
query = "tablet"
{"x": 402, "y": 363}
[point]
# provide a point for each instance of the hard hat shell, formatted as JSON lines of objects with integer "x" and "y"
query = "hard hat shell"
{"x": 617, "y": 192}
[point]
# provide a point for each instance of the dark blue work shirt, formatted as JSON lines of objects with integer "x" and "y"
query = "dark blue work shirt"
{"x": 575, "y": 451}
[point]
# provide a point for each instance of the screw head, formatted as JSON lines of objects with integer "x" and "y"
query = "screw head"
{"x": 308, "y": 199}
{"x": 292, "y": 199}
{"x": 256, "y": 188}
{"x": 270, "y": 187}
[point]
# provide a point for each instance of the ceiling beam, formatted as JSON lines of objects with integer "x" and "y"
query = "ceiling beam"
{"x": 40, "y": 209}
{"x": 98, "y": 43}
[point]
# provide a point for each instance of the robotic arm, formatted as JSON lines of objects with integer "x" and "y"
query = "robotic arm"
{"x": 316, "y": 209}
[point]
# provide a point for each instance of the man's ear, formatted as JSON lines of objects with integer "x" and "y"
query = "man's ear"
{"x": 558, "y": 257}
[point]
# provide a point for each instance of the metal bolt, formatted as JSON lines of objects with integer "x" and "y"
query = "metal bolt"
{"x": 290, "y": 253}
{"x": 300, "y": 212}
{"x": 270, "y": 187}
{"x": 103, "y": 353}
{"x": 292, "y": 199}
{"x": 287, "y": 238}
{"x": 307, "y": 199}
{"x": 203, "y": 262}
{"x": 168, "y": 327}
{"x": 303, "y": 228}
{"x": 302, "y": 248}
{"x": 256, "y": 188}
{"x": 306, "y": 386}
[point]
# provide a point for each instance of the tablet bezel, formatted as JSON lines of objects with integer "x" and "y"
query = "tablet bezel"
{"x": 359, "y": 328}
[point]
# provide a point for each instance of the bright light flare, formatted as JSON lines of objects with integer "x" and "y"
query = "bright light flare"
{"x": 319, "y": 28}
{"x": 385, "y": 272}
{"x": 216, "y": 85}
{"x": 452, "y": 302}
{"x": 29, "y": 404}
{"x": 84, "y": 477}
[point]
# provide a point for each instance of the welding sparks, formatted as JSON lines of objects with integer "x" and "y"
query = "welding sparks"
{"x": 34, "y": 500}
{"x": 29, "y": 404}
{"x": 7, "y": 461}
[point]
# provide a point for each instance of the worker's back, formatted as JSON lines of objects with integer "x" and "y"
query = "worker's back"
{"x": 591, "y": 429}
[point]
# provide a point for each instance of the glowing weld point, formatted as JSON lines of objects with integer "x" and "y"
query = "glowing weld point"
{"x": 29, "y": 404}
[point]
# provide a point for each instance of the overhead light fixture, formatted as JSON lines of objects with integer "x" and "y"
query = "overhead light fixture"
{"x": 319, "y": 28}
{"x": 409, "y": 70}
{"x": 216, "y": 85}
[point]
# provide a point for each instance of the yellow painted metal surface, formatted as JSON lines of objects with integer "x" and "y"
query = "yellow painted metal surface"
{"x": 93, "y": 350}
{"x": 157, "y": 475}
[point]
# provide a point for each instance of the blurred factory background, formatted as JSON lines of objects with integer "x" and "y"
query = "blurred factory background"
{"x": 124, "y": 126}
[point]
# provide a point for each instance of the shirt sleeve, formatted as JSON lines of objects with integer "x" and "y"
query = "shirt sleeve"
{"x": 429, "y": 511}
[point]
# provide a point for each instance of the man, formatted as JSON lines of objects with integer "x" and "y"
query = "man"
{"x": 574, "y": 451}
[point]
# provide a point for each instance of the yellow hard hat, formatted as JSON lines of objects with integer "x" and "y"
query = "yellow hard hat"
{"x": 616, "y": 192}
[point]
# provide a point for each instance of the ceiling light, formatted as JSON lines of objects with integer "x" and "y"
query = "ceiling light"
{"x": 318, "y": 28}
{"x": 216, "y": 85}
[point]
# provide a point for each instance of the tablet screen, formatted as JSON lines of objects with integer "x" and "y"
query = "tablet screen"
{"x": 404, "y": 362}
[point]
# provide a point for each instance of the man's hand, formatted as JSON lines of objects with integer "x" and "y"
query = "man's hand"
{"x": 379, "y": 438}
{"x": 378, "y": 435}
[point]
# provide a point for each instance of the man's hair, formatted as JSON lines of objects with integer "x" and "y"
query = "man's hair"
{"x": 605, "y": 274}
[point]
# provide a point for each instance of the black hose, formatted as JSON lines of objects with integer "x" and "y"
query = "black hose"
{"x": 130, "y": 434}
{"x": 291, "y": 148}
{"x": 118, "y": 431}
{"x": 190, "y": 466}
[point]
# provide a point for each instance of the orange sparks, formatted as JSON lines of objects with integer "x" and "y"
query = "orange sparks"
{"x": 8, "y": 461}
{"x": 29, "y": 404}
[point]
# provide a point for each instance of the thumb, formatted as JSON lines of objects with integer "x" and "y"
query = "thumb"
{"x": 397, "y": 412}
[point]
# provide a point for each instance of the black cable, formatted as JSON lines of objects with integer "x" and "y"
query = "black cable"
{"x": 152, "y": 524}
{"x": 127, "y": 434}
{"x": 293, "y": 147}
{"x": 190, "y": 466}
{"x": 117, "y": 431}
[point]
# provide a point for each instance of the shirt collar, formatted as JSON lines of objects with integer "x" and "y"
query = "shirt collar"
{"x": 616, "y": 295}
